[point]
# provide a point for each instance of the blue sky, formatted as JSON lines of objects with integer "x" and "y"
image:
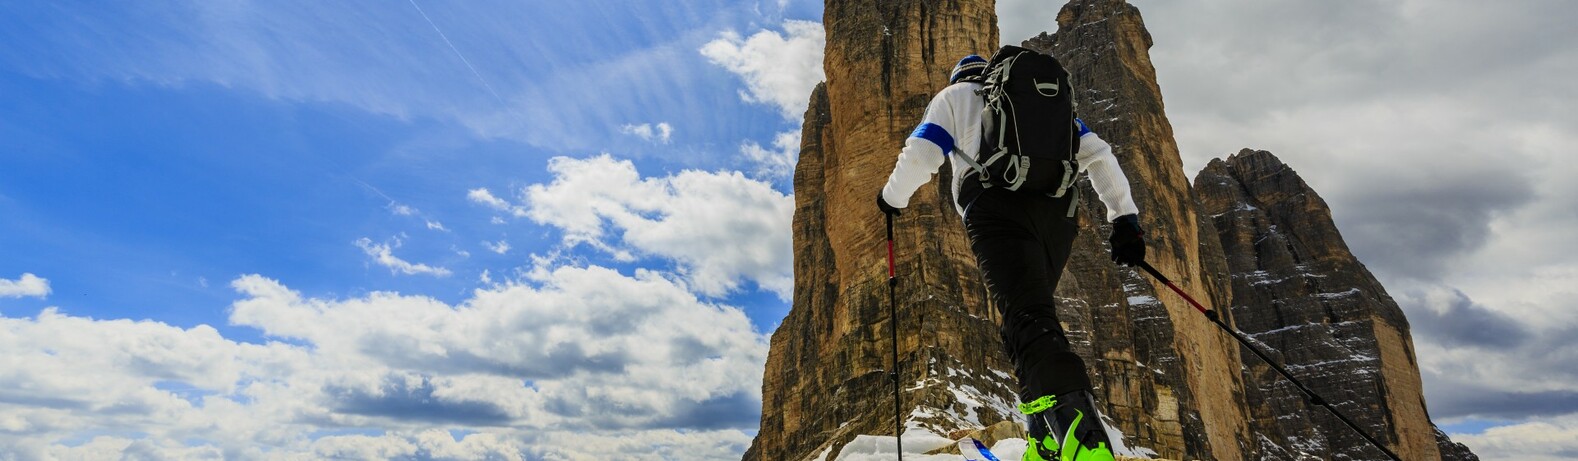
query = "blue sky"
{"x": 155, "y": 154}
{"x": 321, "y": 227}
{"x": 284, "y": 184}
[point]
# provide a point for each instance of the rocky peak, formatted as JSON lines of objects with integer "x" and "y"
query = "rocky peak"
{"x": 826, "y": 378}
{"x": 1168, "y": 380}
{"x": 1302, "y": 295}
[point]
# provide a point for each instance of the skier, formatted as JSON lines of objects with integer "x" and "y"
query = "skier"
{"x": 1021, "y": 242}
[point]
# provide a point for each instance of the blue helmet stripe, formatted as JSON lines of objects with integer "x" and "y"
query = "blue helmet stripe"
{"x": 934, "y": 133}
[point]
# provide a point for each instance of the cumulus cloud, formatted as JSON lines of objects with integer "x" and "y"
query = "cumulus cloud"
{"x": 590, "y": 340}
{"x": 1420, "y": 157}
{"x": 776, "y": 162}
{"x": 779, "y": 69}
{"x": 1451, "y": 318}
{"x": 721, "y": 228}
{"x": 383, "y": 254}
{"x": 500, "y": 247}
{"x": 521, "y": 371}
{"x": 1484, "y": 364}
{"x": 658, "y": 133}
{"x": 28, "y": 285}
{"x": 1410, "y": 204}
{"x": 1545, "y": 439}
{"x": 53, "y": 383}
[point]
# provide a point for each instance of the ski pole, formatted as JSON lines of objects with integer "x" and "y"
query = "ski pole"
{"x": 1313, "y": 398}
{"x": 893, "y": 317}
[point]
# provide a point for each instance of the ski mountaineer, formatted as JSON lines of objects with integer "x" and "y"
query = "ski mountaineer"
{"x": 1021, "y": 242}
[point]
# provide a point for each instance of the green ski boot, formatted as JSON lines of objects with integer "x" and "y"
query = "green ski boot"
{"x": 1065, "y": 428}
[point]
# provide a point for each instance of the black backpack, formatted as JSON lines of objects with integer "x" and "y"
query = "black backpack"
{"x": 1028, "y": 135}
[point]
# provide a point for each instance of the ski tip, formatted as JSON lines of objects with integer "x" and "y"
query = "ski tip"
{"x": 974, "y": 450}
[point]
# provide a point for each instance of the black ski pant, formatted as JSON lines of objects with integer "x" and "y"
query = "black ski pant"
{"x": 1021, "y": 242}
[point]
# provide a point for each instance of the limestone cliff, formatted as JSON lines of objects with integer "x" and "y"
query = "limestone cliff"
{"x": 826, "y": 378}
{"x": 1169, "y": 381}
{"x": 1191, "y": 404}
{"x": 1300, "y": 292}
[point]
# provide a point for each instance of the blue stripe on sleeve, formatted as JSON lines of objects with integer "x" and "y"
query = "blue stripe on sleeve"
{"x": 934, "y": 133}
{"x": 1083, "y": 130}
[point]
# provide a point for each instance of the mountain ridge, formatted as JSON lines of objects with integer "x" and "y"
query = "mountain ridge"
{"x": 1170, "y": 382}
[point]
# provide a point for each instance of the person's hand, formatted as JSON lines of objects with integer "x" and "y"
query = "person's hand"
{"x": 1128, "y": 242}
{"x": 884, "y": 206}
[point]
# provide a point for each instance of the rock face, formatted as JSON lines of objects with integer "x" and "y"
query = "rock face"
{"x": 1300, "y": 292}
{"x": 826, "y": 378}
{"x": 1167, "y": 378}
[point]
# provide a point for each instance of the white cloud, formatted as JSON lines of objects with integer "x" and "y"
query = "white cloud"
{"x": 777, "y": 162}
{"x": 1545, "y": 439}
{"x": 721, "y": 228}
{"x": 1451, "y": 182}
{"x": 28, "y": 285}
{"x": 643, "y": 343}
{"x": 1018, "y": 20}
{"x": 401, "y": 209}
{"x": 720, "y": 445}
{"x": 383, "y": 254}
{"x": 501, "y": 247}
{"x": 482, "y": 196}
{"x": 658, "y": 133}
{"x": 525, "y": 371}
{"x": 778, "y": 70}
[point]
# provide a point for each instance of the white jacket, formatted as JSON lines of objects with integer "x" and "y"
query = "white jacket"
{"x": 952, "y": 125}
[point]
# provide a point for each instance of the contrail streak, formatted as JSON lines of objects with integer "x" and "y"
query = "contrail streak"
{"x": 462, "y": 57}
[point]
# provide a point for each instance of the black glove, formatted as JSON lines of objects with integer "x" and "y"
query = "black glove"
{"x": 1128, "y": 244}
{"x": 884, "y": 206}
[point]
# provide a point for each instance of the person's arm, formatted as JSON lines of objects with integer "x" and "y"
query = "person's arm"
{"x": 924, "y": 151}
{"x": 1112, "y": 186}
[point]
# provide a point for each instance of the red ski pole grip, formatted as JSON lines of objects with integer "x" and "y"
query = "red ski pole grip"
{"x": 892, "y": 269}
